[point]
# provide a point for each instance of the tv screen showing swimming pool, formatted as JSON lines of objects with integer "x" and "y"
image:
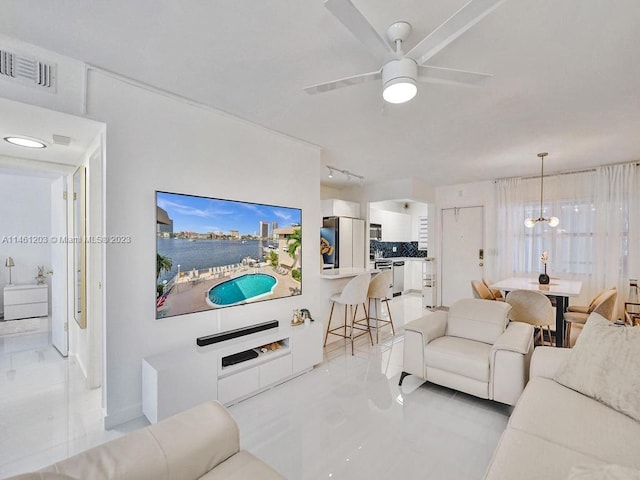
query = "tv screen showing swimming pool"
{"x": 213, "y": 253}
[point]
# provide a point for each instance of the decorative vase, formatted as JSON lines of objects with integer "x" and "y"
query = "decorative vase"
{"x": 543, "y": 279}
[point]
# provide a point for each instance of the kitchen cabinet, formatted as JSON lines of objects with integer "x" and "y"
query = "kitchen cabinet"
{"x": 335, "y": 207}
{"x": 396, "y": 227}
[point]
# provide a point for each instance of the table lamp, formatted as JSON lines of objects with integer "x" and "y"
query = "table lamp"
{"x": 9, "y": 263}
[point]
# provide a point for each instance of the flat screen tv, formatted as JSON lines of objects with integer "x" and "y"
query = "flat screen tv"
{"x": 213, "y": 253}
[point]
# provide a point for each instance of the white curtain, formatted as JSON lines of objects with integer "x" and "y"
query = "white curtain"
{"x": 617, "y": 245}
{"x": 598, "y": 239}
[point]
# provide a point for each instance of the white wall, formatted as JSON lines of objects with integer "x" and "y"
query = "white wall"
{"x": 155, "y": 142}
{"x": 68, "y": 93}
{"x": 24, "y": 211}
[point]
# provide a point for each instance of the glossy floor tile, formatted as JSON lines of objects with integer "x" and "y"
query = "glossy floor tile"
{"x": 46, "y": 411}
{"x": 346, "y": 419}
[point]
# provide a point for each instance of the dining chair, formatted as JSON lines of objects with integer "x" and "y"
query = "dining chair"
{"x": 605, "y": 305}
{"x": 534, "y": 308}
{"x": 497, "y": 294}
{"x": 594, "y": 301}
{"x": 481, "y": 291}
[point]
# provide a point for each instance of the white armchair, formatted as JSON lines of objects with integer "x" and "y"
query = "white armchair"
{"x": 472, "y": 348}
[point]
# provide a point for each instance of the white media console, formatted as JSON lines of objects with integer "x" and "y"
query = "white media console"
{"x": 177, "y": 380}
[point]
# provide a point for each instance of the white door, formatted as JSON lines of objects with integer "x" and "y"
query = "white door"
{"x": 59, "y": 317}
{"x": 462, "y": 252}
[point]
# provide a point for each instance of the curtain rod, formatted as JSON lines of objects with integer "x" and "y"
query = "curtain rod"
{"x": 569, "y": 172}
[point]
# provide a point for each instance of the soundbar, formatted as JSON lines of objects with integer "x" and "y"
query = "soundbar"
{"x": 239, "y": 357}
{"x": 238, "y": 332}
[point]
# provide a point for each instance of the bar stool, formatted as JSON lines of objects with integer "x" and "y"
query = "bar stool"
{"x": 353, "y": 295}
{"x": 379, "y": 293}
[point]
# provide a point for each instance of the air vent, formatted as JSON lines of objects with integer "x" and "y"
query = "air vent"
{"x": 27, "y": 70}
{"x": 61, "y": 140}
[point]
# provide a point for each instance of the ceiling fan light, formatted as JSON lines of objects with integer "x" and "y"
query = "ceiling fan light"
{"x": 399, "y": 80}
{"x": 529, "y": 223}
{"x": 400, "y": 90}
{"x": 554, "y": 221}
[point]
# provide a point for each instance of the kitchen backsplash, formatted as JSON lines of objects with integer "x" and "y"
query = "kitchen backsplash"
{"x": 403, "y": 249}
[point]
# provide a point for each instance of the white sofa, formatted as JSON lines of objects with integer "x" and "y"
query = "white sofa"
{"x": 472, "y": 348}
{"x": 200, "y": 443}
{"x": 554, "y": 429}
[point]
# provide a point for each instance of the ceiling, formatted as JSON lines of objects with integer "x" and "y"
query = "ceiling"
{"x": 566, "y": 77}
{"x": 35, "y": 122}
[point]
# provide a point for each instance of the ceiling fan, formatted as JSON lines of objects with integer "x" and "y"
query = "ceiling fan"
{"x": 401, "y": 71}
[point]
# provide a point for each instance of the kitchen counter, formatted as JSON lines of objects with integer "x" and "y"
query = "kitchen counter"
{"x": 346, "y": 272}
{"x": 402, "y": 259}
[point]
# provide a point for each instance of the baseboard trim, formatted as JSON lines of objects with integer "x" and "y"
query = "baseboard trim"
{"x": 122, "y": 416}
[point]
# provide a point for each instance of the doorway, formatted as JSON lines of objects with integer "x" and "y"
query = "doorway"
{"x": 69, "y": 141}
{"x": 462, "y": 251}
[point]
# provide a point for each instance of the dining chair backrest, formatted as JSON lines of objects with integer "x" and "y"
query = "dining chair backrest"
{"x": 480, "y": 290}
{"x": 529, "y": 306}
{"x": 599, "y": 297}
{"x": 380, "y": 285}
{"x": 607, "y": 304}
{"x": 496, "y": 293}
{"x": 355, "y": 292}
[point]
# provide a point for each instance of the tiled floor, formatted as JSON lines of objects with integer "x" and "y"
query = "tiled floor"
{"x": 46, "y": 412}
{"x": 347, "y": 419}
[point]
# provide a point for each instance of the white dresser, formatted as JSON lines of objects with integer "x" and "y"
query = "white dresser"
{"x": 24, "y": 301}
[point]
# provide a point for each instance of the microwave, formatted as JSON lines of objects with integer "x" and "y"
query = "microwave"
{"x": 375, "y": 231}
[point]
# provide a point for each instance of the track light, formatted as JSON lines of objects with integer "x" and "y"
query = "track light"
{"x": 346, "y": 173}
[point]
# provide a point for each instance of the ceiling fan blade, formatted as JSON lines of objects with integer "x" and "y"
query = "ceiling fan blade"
{"x": 450, "y": 76}
{"x": 461, "y": 21}
{"x": 344, "y": 82}
{"x": 350, "y": 17}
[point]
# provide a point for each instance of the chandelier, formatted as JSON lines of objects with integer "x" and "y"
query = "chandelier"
{"x": 552, "y": 221}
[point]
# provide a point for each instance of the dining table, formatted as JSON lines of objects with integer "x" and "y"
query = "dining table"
{"x": 557, "y": 288}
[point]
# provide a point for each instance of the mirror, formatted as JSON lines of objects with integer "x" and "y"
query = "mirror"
{"x": 79, "y": 247}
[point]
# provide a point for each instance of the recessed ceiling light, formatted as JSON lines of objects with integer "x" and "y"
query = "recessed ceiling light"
{"x": 25, "y": 141}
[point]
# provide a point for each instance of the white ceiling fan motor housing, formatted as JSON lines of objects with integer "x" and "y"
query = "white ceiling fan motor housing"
{"x": 399, "y": 80}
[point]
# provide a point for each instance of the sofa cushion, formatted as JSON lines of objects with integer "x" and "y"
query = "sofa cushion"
{"x": 42, "y": 476}
{"x": 191, "y": 450}
{"x": 184, "y": 446}
{"x": 475, "y": 319}
{"x": 560, "y": 415}
{"x": 603, "y": 472}
{"x": 136, "y": 456}
{"x": 523, "y": 456}
{"x": 602, "y": 363}
{"x": 461, "y": 356}
{"x": 242, "y": 466}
